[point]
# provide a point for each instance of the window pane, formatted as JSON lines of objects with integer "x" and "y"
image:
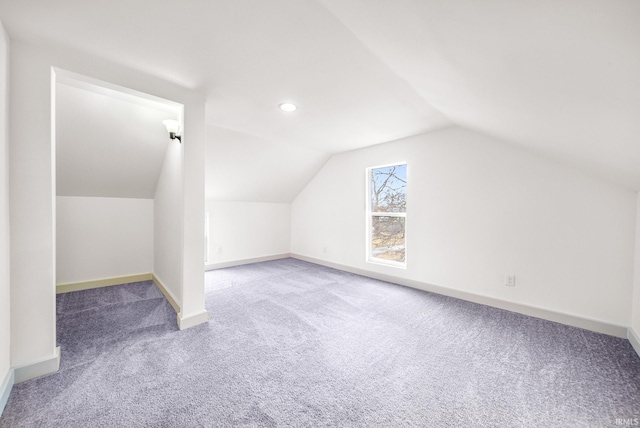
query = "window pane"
{"x": 387, "y": 238}
{"x": 389, "y": 189}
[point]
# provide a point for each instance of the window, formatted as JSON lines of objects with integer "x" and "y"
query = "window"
{"x": 386, "y": 214}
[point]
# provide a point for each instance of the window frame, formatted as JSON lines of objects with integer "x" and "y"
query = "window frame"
{"x": 369, "y": 258}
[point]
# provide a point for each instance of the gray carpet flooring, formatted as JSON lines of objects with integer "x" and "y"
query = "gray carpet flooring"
{"x": 292, "y": 344}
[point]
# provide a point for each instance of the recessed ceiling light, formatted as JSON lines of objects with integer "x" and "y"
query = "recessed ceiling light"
{"x": 288, "y": 107}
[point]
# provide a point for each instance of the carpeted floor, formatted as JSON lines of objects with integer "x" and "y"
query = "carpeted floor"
{"x": 295, "y": 344}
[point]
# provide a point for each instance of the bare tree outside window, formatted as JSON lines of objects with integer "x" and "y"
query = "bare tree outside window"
{"x": 387, "y": 213}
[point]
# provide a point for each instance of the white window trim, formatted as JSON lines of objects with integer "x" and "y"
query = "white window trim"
{"x": 369, "y": 258}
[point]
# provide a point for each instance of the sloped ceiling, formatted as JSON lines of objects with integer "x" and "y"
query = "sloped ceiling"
{"x": 559, "y": 78}
{"x": 108, "y": 144}
{"x": 257, "y": 170}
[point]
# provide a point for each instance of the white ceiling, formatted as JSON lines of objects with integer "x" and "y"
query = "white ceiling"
{"x": 557, "y": 77}
{"x": 247, "y": 168}
{"x": 108, "y": 144}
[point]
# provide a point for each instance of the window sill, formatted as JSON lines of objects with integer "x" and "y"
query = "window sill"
{"x": 387, "y": 263}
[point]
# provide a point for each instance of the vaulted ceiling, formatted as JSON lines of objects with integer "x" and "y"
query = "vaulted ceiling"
{"x": 108, "y": 143}
{"x": 559, "y": 78}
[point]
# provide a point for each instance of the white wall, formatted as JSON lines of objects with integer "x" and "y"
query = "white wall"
{"x": 5, "y": 318}
{"x": 635, "y": 316}
{"x": 168, "y": 219}
{"x": 479, "y": 209}
{"x": 192, "y": 310}
{"x": 32, "y": 182}
{"x": 98, "y": 238}
{"x": 247, "y": 230}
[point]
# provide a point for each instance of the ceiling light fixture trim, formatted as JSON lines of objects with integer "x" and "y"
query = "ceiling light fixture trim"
{"x": 288, "y": 107}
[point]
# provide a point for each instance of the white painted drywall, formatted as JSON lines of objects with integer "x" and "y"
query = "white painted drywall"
{"x": 99, "y": 238}
{"x": 635, "y": 301}
{"x": 275, "y": 172}
{"x": 168, "y": 217}
{"x": 108, "y": 144}
{"x": 192, "y": 310}
{"x": 32, "y": 205}
{"x": 32, "y": 182}
{"x": 246, "y": 230}
{"x": 5, "y": 308}
{"x": 478, "y": 209}
{"x": 179, "y": 220}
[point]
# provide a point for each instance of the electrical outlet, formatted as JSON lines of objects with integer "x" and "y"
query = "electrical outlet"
{"x": 510, "y": 280}
{"x": 219, "y": 250}
{"x": 324, "y": 250}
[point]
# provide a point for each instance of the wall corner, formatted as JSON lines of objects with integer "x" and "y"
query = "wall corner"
{"x": 5, "y": 389}
{"x": 185, "y": 322}
{"x": 38, "y": 368}
{"x": 634, "y": 339}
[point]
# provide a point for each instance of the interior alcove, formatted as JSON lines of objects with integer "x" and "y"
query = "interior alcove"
{"x": 113, "y": 161}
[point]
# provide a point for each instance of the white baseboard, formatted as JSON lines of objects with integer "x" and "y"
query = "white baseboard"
{"x": 184, "y": 322}
{"x": 38, "y": 368}
{"x": 634, "y": 339}
{"x": 173, "y": 301}
{"x": 537, "y": 312}
{"x": 192, "y": 320}
{"x": 221, "y": 265}
{"x": 5, "y": 389}
{"x": 87, "y": 285}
